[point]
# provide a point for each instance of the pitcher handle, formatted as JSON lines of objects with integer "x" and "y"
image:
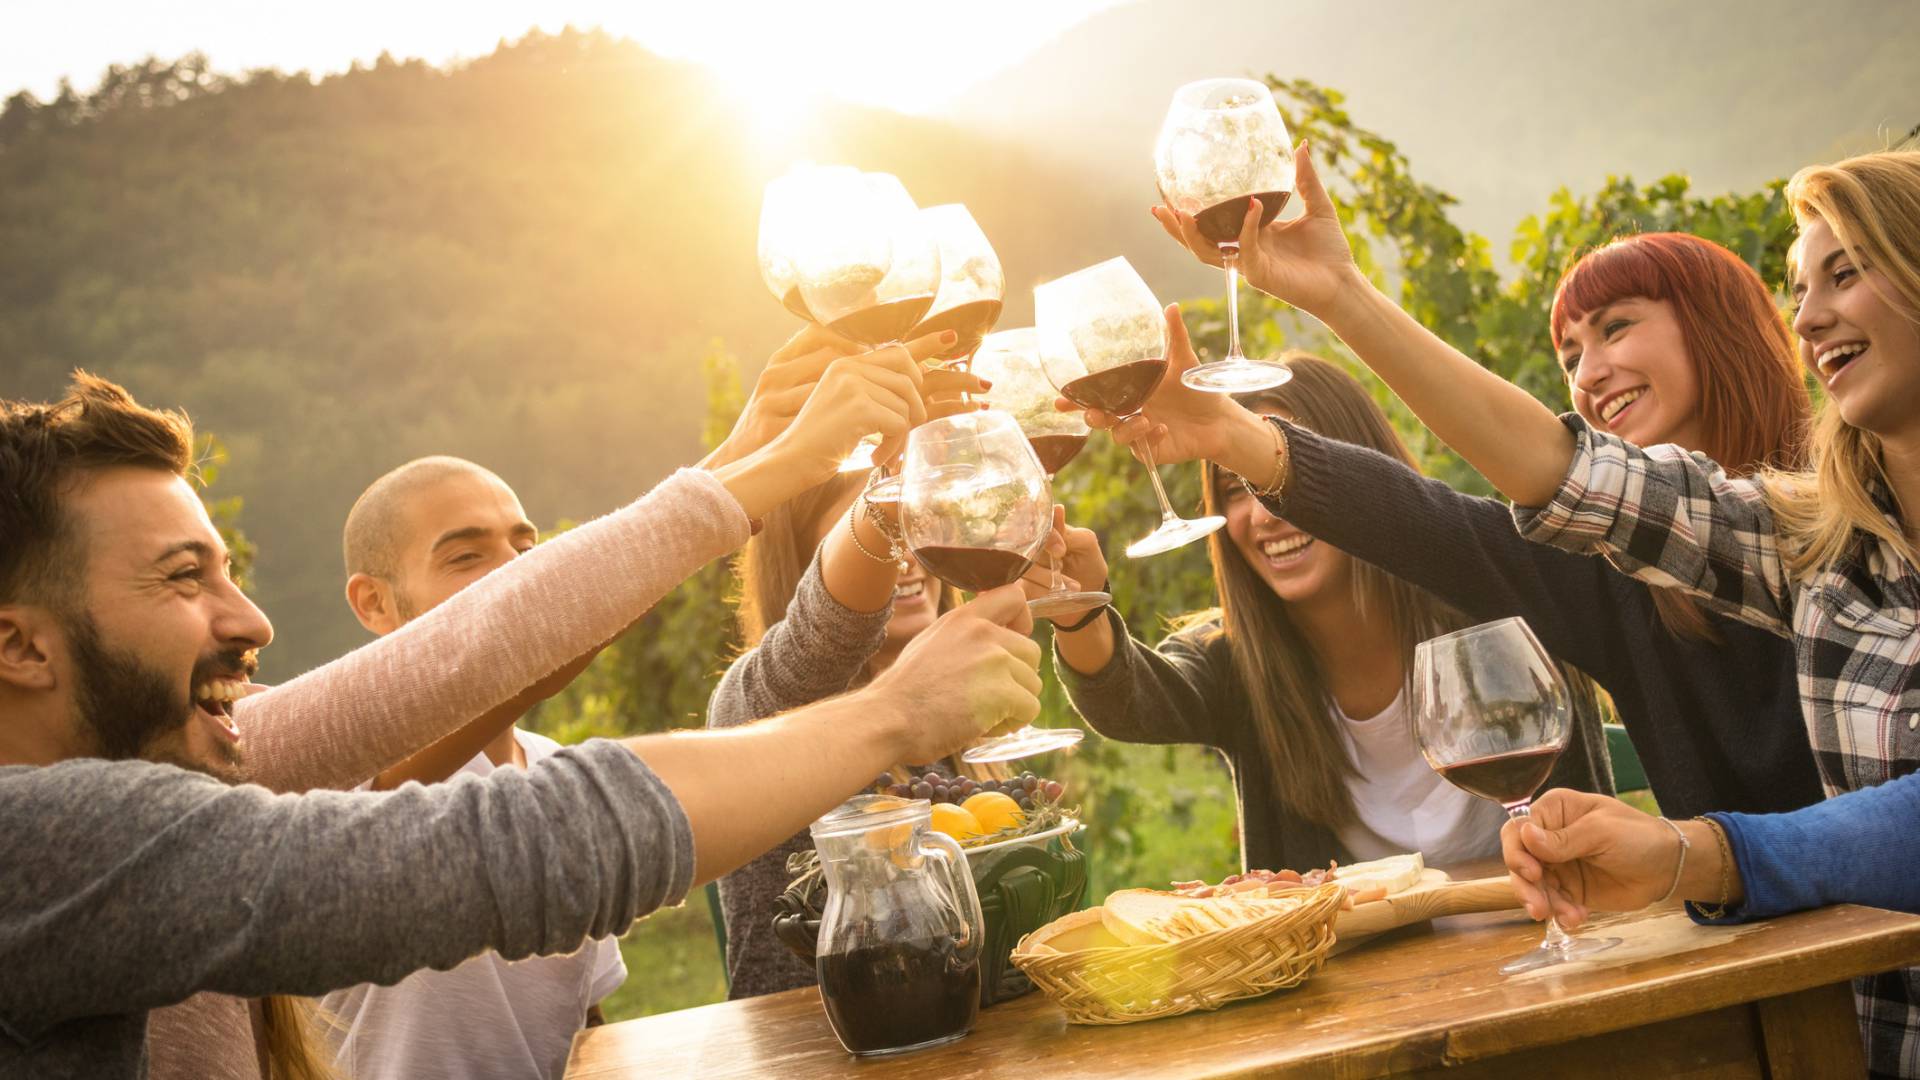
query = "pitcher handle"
{"x": 964, "y": 899}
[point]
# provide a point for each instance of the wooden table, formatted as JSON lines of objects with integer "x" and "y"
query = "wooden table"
{"x": 1768, "y": 999}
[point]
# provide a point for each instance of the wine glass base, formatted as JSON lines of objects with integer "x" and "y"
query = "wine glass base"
{"x": 1236, "y": 376}
{"x": 1173, "y": 534}
{"x": 1548, "y": 955}
{"x": 1026, "y": 742}
{"x": 1067, "y": 603}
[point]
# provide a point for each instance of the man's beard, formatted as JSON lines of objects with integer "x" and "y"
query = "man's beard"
{"x": 129, "y": 710}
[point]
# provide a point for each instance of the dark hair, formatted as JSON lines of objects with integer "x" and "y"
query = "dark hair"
{"x": 1291, "y": 705}
{"x": 46, "y": 449}
{"x": 1754, "y": 407}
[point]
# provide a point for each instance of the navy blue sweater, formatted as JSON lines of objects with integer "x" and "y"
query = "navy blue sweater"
{"x": 1716, "y": 726}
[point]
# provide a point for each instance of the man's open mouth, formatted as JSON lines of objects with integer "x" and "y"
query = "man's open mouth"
{"x": 215, "y": 698}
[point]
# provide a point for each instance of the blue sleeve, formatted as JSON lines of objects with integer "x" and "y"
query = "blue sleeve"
{"x": 1857, "y": 848}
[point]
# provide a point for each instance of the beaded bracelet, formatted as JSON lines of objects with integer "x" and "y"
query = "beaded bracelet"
{"x": 853, "y": 530}
{"x": 1276, "y": 485}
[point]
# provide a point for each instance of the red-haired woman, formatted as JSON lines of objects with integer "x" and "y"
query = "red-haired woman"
{"x": 1667, "y": 338}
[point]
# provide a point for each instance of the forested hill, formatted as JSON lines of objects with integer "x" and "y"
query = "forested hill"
{"x": 521, "y": 260}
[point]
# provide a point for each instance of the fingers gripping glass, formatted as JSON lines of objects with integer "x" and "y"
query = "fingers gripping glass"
{"x": 1222, "y": 145}
{"x": 1103, "y": 342}
{"x": 976, "y": 510}
{"x": 847, "y": 250}
{"x": 1010, "y": 360}
{"x": 1492, "y": 715}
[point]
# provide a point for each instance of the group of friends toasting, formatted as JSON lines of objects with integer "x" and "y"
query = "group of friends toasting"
{"x": 193, "y": 859}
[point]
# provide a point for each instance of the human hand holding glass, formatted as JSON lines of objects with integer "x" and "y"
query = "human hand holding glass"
{"x": 1103, "y": 343}
{"x": 975, "y": 510}
{"x": 1492, "y": 715}
{"x": 1222, "y": 148}
{"x": 1010, "y": 362}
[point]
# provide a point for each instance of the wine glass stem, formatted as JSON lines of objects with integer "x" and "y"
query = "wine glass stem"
{"x": 1230, "y": 260}
{"x": 1153, "y": 474}
{"x": 1557, "y": 939}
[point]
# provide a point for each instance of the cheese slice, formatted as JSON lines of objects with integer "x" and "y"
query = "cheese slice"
{"x": 1393, "y": 874}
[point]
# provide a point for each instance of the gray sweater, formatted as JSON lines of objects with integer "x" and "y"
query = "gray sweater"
{"x": 818, "y": 650}
{"x": 127, "y": 886}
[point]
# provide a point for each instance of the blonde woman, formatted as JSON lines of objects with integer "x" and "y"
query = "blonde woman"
{"x": 1825, "y": 557}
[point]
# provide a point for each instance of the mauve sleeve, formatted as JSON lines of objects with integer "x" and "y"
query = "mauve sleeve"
{"x": 345, "y": 721}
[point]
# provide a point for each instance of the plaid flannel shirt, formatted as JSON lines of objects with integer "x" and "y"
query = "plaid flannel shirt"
{"x": 1670, "y": 517}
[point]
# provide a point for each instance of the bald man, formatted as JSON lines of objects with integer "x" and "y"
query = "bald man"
{"x": 418, "y": 535}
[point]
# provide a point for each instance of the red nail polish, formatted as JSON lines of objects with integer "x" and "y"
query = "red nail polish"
{"x": 986, "y": 384}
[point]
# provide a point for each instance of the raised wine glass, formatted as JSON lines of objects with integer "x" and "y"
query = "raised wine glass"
{"x": 789, "y": 223}
{"x": 1104, "y": 346}
{"x": 869, "y": 269}
{"x": 972, "y": 284}
{"x": 1010, "y": 360}
{"x": 1222, "y": 144}
{"x": 975, "y": 510}
{"x": 1492, "y": 715}
{"x": 968, "y": 302}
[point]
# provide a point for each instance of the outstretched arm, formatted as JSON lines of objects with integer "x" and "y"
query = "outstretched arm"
{"x": 1499, "y": 428}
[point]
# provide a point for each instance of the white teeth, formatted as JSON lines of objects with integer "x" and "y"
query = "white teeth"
{"x": 1838, "y": 353}
{"x": 1275, "y": 548}
{"x": 218, "y": 690}
{"x": 1613, "y": 407}
{"x": 909, "y": 591}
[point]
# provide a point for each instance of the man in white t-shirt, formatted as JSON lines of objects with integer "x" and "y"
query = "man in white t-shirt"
{"x": 418, "y": 535}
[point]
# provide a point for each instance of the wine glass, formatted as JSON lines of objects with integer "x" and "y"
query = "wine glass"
{"x": 972, "y": 284}
{"x": 1104, "y": 346}
{"x": 1222, "y": 144}
{"x": 975, "y": 510}
{"x": 1492, "y": 715}
{"x": 789, "y": 223}
{"x": 967, "y": 303}
{"x": 869, "y": 269}
{"x": 1010, "y": 360}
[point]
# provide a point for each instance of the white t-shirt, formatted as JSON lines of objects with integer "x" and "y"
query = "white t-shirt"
{"x": 486, "y": 1017}
{"x": 1402, "y": 804}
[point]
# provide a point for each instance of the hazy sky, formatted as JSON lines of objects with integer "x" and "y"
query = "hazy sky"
{"x": 912, "y": 55}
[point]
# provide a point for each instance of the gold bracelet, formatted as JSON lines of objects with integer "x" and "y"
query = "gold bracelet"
{"x": 1719, "y": 910}
{"x": 1276, "y": 485}
{"x": 853, "y": 530}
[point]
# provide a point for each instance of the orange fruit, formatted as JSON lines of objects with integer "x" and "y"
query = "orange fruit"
{"x": 955, "y": 821}
{"x": 994, "y": 811}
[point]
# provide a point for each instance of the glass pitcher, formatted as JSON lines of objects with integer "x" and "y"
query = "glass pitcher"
{"x": 899, "y": 949}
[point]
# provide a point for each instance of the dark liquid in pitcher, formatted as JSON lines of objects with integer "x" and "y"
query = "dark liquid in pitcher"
{"x": 897, "y": 996}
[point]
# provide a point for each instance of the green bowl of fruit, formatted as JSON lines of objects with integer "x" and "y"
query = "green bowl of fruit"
{"x": 1018, "y": 838}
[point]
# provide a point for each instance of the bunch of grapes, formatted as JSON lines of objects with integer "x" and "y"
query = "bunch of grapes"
{"x": 1026, "y": 789}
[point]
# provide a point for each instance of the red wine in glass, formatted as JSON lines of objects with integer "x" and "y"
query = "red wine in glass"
{"x": 1118, "y": 391}
{"x": 970, "y": 322}
{"x": 1508, "y": 779}
{"x": 882, "y": 323}
{"x": 1054, "y": 451}
{"x": 973, "y": 569}
{"x": 1220, "y": 222}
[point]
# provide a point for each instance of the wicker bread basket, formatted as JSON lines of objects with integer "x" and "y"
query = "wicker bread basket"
{"x": 1073, "y": 961}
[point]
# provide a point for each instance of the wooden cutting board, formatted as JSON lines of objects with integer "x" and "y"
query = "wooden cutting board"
{"x": 1434, "y": 896}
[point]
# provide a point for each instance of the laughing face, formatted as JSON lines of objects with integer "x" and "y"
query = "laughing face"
{"x": 165, "y": 641}
{"x": 1856, "y": 337}
{"x": 1630, "y": 373}
{"x": 1298, "y": 568}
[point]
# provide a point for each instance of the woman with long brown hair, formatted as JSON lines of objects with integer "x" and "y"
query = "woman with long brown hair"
{"x": 828, "y": 601}
{"x": 1662, "y": 338}
{"x": 1300, "y": 676}
{"x": 1828, "y": 557}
